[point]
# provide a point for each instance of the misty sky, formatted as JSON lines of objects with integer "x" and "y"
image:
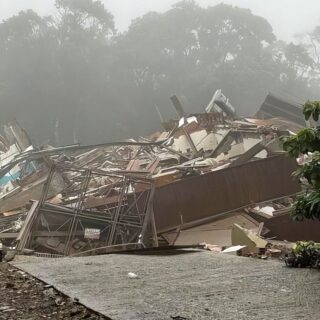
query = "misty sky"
{"x": 288, "y": 17}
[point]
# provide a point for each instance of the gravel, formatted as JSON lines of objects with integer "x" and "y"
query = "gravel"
{"x": 190, "y": 285}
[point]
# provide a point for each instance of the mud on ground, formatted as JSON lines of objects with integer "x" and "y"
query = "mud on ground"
{"x": 23, "y": 297}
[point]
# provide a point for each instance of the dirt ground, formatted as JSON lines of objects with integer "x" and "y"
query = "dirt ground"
{"x": 198, "y": 285}
{"x": 23, "y": 297}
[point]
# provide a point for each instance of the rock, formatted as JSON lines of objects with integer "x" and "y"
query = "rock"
{"x": 3, "y": 266}
{"x": 47, "y": 304}
{"x": 74, "y": 311}
{"x": 9, "y": 285}
{"x": 50, "y": 293}
{"x": 60, "y": 302}
{"x": 9, "y": 310}
{"x": 132, "y": 275}
{"x": 4, "y": 308}
{"x": 10, "y": 255}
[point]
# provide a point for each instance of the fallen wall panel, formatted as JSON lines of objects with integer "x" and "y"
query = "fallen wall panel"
{"x": 284, "y": 228}
{"x": 206, "y": 195}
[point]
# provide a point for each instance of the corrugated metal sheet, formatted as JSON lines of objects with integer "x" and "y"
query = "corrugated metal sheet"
{"x": 274, "y": 107}
{"x": 220, "y": 191}
{"x": 284, "y": 228}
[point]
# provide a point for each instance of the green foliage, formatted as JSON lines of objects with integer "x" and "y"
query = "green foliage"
{"x": 311, "y": 171}
{"x": 312, "y": 109}
{"x": 307, "y": 206}
{"x": 307, "y": 142}
{"x": 304, "y": 254}
{"x": 302, "y": 246}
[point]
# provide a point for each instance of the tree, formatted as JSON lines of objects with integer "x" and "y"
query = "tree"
{"x": 83, "y": 29}
{"x": 192, "y": 51}
{"x": 307, "y": 142}
{"x": 73, "y": 72}
{"x": 27, "y": 69}
{"x": 55, "y": 70}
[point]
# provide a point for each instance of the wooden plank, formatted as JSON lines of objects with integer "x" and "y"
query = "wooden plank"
{"x": 9, "y": 235}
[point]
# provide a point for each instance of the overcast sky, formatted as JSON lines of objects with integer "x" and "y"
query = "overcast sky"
{"x": 288, "y": 17}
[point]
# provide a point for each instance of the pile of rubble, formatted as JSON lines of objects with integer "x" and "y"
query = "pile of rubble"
{"x": 206, "y": 178}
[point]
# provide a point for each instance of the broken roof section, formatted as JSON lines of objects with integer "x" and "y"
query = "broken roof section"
{"x": 131, "y": 193}
{"x": 278, "y": 107}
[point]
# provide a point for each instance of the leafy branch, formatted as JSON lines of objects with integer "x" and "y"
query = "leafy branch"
{"x": 307, "y": 142}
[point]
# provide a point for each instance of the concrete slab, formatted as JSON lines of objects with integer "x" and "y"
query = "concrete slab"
{"x": 196, "y": 285}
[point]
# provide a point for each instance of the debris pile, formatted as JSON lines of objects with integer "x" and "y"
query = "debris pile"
{"x": 205, "y": 178}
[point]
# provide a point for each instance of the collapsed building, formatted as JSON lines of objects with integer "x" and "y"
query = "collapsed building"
{"x": 207, "y": 178}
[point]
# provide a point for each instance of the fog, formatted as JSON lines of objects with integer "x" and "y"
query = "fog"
{"x": 289, "y": 18}
{"x": 93, "y": 71}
